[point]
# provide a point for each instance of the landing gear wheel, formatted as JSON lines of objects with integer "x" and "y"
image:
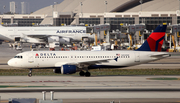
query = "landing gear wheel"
{"x": 30, "y": 74}
{"x": 87, "y": 74}
{"x": 81, "y": 73}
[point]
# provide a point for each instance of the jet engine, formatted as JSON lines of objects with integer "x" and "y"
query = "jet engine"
{"x": 65, "y": 40}
{"x": 66, "y": 69}
{"x": 53, "y": 39}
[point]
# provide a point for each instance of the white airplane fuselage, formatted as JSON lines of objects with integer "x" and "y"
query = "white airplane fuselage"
{"x": 26, "y": 33}
{"x": 47, "y": 59}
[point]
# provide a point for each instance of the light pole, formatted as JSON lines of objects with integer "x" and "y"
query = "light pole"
{"x": 81, "y": 7}
{"x": 4, "y": 8}
{"x": 52, "y": 6}
{"x": 55, "y": 3}
{"x": 106, "y": 5}
{"x": 141, "y": 1}
{"x": 15, "y": 9}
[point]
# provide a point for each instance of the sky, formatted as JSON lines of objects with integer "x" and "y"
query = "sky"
{"x": 33, "y": 4}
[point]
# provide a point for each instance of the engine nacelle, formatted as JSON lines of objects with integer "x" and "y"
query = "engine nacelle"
{"x": 60, "y": 40}
{"x": 53, "y": 39}
{"x": 68, "y": 69}
{"x": 65, "y": 40}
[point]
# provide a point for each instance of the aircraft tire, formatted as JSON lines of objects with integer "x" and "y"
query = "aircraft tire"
{"x": 81, "y": 73}
{"x": 87, "y": 74}
{"x": 29, "y": 74}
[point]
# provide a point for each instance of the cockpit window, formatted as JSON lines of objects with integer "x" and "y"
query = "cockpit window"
{"x": 18, "y": 56}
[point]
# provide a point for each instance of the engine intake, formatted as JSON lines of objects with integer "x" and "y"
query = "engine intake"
{"x": 53, "y": 39}
{"x": 68, "y": 69}
{"x": 65, "y": 40}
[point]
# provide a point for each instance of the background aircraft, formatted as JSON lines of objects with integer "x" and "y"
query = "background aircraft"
{"x": 44, "y": 34}
{"x": 69, "y": 62}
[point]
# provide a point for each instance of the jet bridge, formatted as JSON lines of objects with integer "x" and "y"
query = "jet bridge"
{"x": 173, "y": 33}
{"x": 131, "y": 30}
{"x": 96, "y": 29}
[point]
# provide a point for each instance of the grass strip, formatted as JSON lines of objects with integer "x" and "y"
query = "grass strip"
{"x": 96, "y": 72}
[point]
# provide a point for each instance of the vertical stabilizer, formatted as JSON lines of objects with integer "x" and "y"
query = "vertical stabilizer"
{"x": 155, "y": 40}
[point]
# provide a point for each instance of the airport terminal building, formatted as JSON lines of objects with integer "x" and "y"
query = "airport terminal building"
{"x": 114, "y": 12}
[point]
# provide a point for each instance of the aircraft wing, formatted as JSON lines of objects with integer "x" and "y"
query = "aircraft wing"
{"x": 85, "y": 63}
{"x": 39, "y": 36}
{"x": 91, "y": 62}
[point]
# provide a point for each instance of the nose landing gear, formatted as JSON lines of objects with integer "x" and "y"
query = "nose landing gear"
{"x": 30, "y": 73}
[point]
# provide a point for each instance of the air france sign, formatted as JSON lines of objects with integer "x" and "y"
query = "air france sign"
{"x": 71, "y": 31}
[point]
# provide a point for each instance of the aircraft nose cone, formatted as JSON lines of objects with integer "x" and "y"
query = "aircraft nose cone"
{"x": 10, "y": 62}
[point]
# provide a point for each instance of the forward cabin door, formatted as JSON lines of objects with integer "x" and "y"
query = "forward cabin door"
{"x": 137, "y": 57}
{"x": 30, "y": 58}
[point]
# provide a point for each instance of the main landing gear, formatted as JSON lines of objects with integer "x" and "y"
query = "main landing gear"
{"x": 30, "y": 73}
{"x": 87, "y": 74}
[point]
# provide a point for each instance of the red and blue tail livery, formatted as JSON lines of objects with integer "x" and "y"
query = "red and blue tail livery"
{"x": 155, "y": 40}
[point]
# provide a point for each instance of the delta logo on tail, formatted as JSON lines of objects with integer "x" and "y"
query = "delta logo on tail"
{"x": 155, "y": 40}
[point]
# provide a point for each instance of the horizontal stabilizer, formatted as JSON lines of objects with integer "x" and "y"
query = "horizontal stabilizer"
{"x": 160, "y": 55}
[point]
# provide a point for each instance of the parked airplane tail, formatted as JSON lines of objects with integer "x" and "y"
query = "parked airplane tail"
{"x": 155, "y": 40}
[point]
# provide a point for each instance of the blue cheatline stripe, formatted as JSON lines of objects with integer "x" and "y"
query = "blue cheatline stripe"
{"x": 144, "y": 47}
{"x": 157, "y": 42}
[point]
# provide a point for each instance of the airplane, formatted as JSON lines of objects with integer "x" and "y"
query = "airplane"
{"x": 43, "y": 34}
{"x": 69, "y": 62}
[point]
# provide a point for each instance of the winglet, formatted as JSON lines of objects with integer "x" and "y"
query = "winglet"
{"x": 116, "y": 59}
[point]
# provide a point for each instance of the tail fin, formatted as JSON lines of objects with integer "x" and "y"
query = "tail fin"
{"x": 155, "y": 40}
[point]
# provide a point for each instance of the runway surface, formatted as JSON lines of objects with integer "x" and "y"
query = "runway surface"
{"x": 97, "y": 88}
